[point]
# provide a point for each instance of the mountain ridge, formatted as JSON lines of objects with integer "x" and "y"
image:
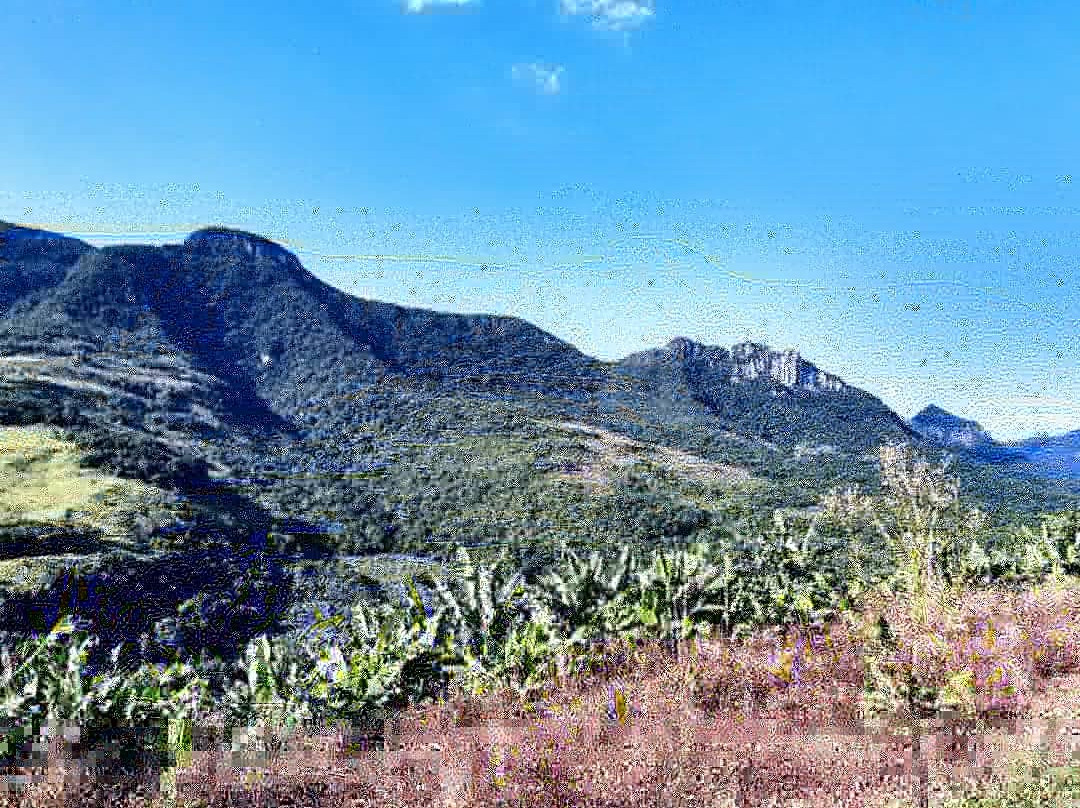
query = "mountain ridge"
{"x": 198, "y": 295}
{"x": 42, "y": 259}
{"x": 282, "y": 351}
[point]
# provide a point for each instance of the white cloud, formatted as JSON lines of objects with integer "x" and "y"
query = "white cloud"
{"x": 421, "y": 6}
{"x": 613, "y": 15}
{"x": 544, "y": 78}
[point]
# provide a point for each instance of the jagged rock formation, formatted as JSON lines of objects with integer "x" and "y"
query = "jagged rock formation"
{"x": 777, "y": 396}
{"x": 746, "y": 361}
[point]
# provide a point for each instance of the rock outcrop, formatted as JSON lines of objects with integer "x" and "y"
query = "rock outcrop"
{"x": 945, "y": 429}
{"x": 745, "y": 362}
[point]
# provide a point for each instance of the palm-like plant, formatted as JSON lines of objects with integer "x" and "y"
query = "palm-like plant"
{"x": 678, "y": 597}
{"x": 740, "y": 606}
{"x": 793, "y": 574}
{"x": 1064, "y": 528}
{"x": 44, "y": 685}
{"x": 487, "y": 612}
{"x": 577, "y": 592}
{"x": 269, "y": 698}
{"x": 380, "y": 658}
{"x": 1053, "y": 548}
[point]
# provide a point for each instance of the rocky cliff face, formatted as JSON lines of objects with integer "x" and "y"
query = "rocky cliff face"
{"x": 774, "y": 396}
{"x": 945, "y": 429}
{"x": 745, "y": 362}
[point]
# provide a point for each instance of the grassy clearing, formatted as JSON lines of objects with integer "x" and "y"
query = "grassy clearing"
{"x": 43, "y": 482}
{"x": 596, "y": 456}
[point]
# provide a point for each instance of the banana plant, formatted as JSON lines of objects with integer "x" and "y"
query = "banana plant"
{"x": 805, "y": 576}
{"x": 528, "y": 661}
{"x": 1053, "y": 549}
{"x": 1064, "y": 528}
{"x": 577, "y": 592}
{"x": 48, "y": 684}
{"x": 355, "y": 672}
{"x": 740, "y": 607}
{"x": 382, "y": 658}
{"x": 678, "y": 598}
{"x": 269, "y": 699}
{"x": 25, "y": 675}
{"x": 485, "y": 610}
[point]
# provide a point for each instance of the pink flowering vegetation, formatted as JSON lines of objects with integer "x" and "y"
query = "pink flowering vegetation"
{"x": 664, "y": 749}
{"x": 1049, "y": 618}
{"x": 986, "y": 650}
{"x": 811, "y": 674}
{"x": 967, "y": 660}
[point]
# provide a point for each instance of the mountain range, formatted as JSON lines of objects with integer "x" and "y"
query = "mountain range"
{"x": 230, "y": 326}
{"x": 1050, "y": 456}
{"x": 277, "y": 414}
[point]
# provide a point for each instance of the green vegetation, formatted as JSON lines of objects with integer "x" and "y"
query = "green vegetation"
{"x": 237, "y": 506}
{"x": 44, "y": 482}
{"x": 491, "y": 628}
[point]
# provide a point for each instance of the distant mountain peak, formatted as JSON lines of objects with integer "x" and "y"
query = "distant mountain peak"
{"x": 250, "y": 245}
{"x": 932, "y": 412}
{"x": 944, "y": 428}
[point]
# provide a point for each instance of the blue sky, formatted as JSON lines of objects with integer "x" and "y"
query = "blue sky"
{"x": 887, "y": 187}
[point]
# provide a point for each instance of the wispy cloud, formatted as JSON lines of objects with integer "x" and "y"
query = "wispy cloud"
{"x": 543, "y": 78}
{"x": 422, "y": 6}
{"x": 613, "y": 15}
